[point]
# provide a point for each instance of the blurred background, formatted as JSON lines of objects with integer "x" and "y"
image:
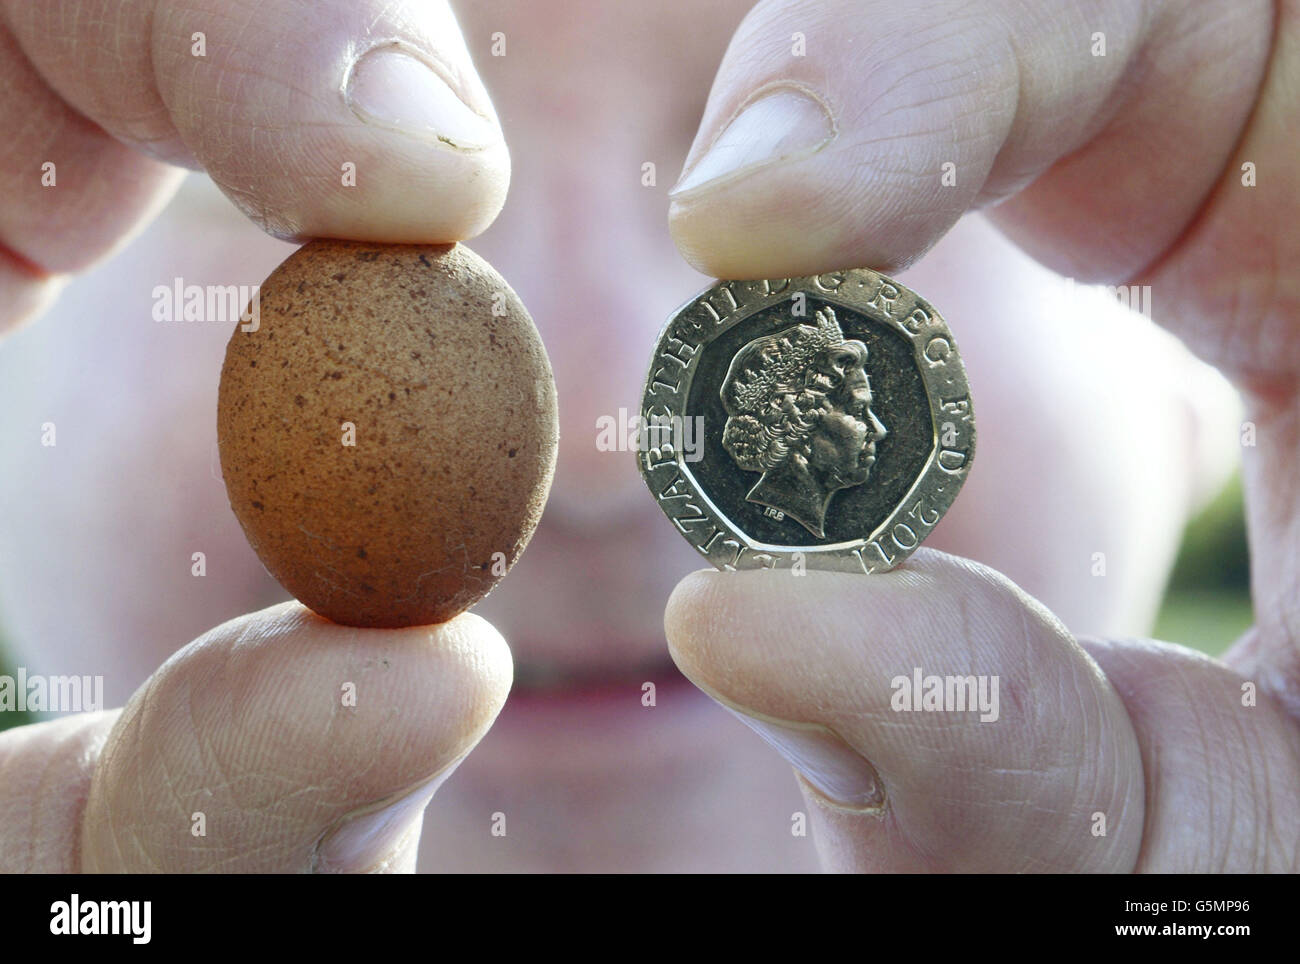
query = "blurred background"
{"x": 1099, "y": 438}
{"x": 1206, "y": 604}
{"x": 1083, "y": 449}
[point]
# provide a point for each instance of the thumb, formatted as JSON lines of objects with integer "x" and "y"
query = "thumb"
{"x": 282, "y": 742}
{"x": 816, "y": 664}
{"x": 844, "y": 133}
{"x": 359, "y": 119}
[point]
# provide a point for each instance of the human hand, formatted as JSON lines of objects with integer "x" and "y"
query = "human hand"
{"x": 1107, "y": 170}
{"x": 273, "y": 108}
{"x": 303, "y": 745}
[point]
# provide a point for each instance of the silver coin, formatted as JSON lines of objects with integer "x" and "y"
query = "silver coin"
{"x": 821, "y": 422}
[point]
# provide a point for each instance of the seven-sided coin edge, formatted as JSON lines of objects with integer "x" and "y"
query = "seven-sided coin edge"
{"x": 690, "y": 329}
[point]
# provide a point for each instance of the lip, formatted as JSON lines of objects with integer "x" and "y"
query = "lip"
{"x": 594, "y": 706}
{"x": 596, "y": 689}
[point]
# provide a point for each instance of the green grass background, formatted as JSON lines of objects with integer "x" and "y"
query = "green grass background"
{"x": 1207, "y": 605}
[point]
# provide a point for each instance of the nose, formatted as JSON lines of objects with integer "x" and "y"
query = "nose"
{"x": 877, "y": 427}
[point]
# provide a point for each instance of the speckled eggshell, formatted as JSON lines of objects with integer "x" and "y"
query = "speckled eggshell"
{"x": 454, "y": 421}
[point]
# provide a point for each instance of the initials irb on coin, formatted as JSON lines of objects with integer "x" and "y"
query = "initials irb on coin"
{"x": 832, "y": 422}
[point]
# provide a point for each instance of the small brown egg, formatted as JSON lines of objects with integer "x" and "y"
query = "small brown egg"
{"x": 387, "y": 427}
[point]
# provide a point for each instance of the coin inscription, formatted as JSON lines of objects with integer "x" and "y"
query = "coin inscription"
{"x": 837, "y": 422}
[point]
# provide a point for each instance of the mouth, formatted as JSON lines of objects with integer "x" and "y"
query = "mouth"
{"x": 542, "y": 703}
{"x": 564, "y": 679}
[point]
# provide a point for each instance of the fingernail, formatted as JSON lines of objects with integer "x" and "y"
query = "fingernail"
{"x": 779, "y": 124}
{"x": 837, "y": 771}
{"x": 366, "y": 839}
{"x": 397, "y": 87}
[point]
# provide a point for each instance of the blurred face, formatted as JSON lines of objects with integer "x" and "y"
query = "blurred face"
{"x": 97, "y": 574}
{"x": 586, "y": 245}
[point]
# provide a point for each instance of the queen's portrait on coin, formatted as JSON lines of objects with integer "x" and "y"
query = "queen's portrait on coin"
{"x": 799, "y": 407}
